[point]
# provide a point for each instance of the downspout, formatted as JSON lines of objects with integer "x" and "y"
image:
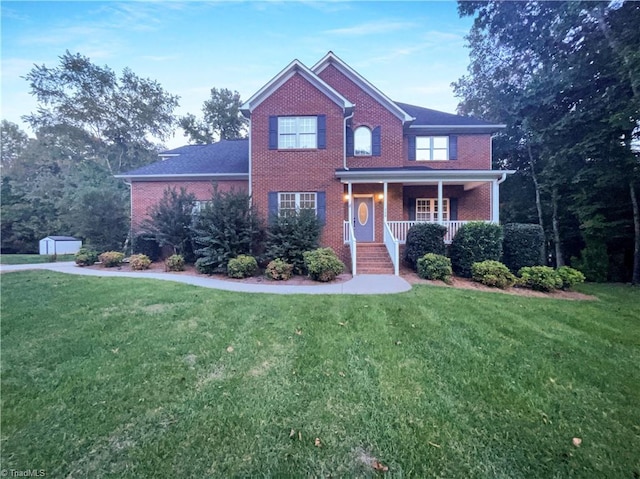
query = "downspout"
{"x": 250, "y": 189}
{"x": 128, "y": 183}
{"x": 344, "y": 143}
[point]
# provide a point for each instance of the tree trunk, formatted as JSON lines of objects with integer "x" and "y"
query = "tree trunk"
{"x": 635, "y": 277}
{"x": 536, "y": 185}
{"x": 556, "y": 228}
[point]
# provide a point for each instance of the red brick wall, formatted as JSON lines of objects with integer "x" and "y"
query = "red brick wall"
{"x": 368, "y": 112}
{"x": 300, "y": 170}
{"x": 474, "y": 153}
{"x": 145, "y": 194}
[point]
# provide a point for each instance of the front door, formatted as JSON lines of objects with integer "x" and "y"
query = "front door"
{"x": 363, "y": 218}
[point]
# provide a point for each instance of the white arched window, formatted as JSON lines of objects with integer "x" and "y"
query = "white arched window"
{"x": 362, "y": 141}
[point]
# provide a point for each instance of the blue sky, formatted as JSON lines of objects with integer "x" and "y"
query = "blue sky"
{"x": 412, "y": 51}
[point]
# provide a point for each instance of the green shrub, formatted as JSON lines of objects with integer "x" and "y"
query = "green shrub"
{"x": 594, "y": 261}
{"x": 174, "y": 263}
{"x": 288, "y": 237}
{"x": 111, "y": 259}
{"x": 242, "y": 267}
{"x": 475, "y": 242}
{"x": 86, "y": 257}
{"x": 570, "y": 276}
{"x": 225, "y": 228}
{"x": 435, "y": 266}
{"x": 146, "y": 244}
{"x": 139, "y": 262}
{"x": 424, "y": 238}
{"x": 540, "y": 278}
{"x": 278, "y": 270}
{"x": 522, "y": 245}
{"x": 493, "y": 273}
{"x": 323, "y": 264}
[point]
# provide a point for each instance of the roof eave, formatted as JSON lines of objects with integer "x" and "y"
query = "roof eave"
{"x": 185, "y": 176}
{"x": 413, "y": 176}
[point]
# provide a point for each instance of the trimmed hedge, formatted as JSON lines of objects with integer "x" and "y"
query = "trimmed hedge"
{"x": 570, "y": 276}
{"x": 111, "y": 259}
{"x": 540, "y": 278}
{"x": 86, "y": 257}
{"x": 493, "y": 273}
{"x": 139, "y": 262}
{"x": 242, "y": 266}
{"x": 434, "y": 266}
{"x": 424, "y": 238}
{"x": 475, "y": 242}
{"x": 522, "y": 246}
{"x": 323, "y": 264}
{"x": 279, "y": 270}
{"x": 174, "y": 262}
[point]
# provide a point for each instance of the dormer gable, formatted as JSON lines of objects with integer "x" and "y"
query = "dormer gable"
{"x": 332, "y": 59}
{"x": 295, "y": 68}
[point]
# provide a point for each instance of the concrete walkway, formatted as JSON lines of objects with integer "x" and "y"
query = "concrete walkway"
{"x": 362, "y": 284}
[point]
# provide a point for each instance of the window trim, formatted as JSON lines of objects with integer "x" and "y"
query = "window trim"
{"x": 431, "y": 149}
{"x": 433, "y": 211}
{"x": 297, "y": 200}
{"x": 355, "y": 143}
{"x": 199, "y": 205}
{"x": 297, "y": 134}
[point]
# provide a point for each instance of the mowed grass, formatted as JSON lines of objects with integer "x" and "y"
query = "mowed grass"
{"x": 113, "y": 377}
{"x": 33, "y": 258}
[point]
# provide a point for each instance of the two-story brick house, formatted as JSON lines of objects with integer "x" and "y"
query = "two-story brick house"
{"x": 325, "y": 138}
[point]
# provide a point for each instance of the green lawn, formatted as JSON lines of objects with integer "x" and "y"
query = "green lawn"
{"x": 114, "y": 377}
{"x": 33, "y": 258}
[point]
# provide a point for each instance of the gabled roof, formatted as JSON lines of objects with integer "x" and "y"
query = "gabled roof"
{"x": 332, "y": 59}
{"x": 426, "y": 118}
{"x": 295, "y": 67}
{"x": 226, "y": 159}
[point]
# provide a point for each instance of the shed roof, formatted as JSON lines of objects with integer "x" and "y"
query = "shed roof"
{"x": 62, "y": 238}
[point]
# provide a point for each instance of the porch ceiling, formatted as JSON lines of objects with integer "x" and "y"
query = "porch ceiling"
{"x": 469, "y": 178}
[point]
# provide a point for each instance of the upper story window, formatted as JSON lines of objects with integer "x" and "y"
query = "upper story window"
{"x": 432, "y": 148}
{"x": 290, "y": 203}
{"x": 362, "y": 141}
{"x": 297, "y": 132}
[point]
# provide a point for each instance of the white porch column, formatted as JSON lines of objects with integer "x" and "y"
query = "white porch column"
{"x": 495, "y": 202}
{"x": 440, "y": 217}
{"x": 385, "y": 202}
{"x": 350, "y": 195}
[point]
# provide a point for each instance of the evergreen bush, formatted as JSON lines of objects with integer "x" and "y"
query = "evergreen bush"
{"x": 174, "y": 263}
{"x": 493, "y": 273}
{"x": 475, "y": 242}
{"x": 540, "y": 278}
{"x": 570, "y": 276}
{"x": 86, "y": 257}
{"x": 111, "y": 259}
{"x": 243, "y": 266}
{"x": 288, "y": 237}
{"x": 227, "y": 227}
{"x": 146, "y": 244}
{"x": 435, "y": 267}
{"x": 522, "y": 245}
{"x": 139, "y": 262}
{"x": 323, "y": 264}
{"x": 279, "y": 270}
{"x": 424, "y": 238}
{"x": 593, "y": 261}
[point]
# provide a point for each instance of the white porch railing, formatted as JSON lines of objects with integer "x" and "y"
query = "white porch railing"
{"x": 393, "y": 247}
{"x": 399, "y": 229}
{"x": 345, "y": 232}
{"x": 352, "y": 246}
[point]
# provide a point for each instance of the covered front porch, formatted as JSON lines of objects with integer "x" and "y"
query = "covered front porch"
{"x": 381, "y": 205}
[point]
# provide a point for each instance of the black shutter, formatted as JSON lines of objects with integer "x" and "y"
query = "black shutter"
{"x": 322, "y": 132}
{"x": 453, "y": 147}
{"x": 376, "y": 142}
{"x": 321, "y": 206}
{"x": 349, "y": 133}
{"x": 412, "y": 209}
{"x": 453, "y": 209}
{"x": 273, "y": 132}
{"x": 412, "y": 148}
{"x": 273, "y": 205}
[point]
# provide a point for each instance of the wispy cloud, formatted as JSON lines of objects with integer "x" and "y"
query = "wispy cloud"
{"x": 371, "y": 28}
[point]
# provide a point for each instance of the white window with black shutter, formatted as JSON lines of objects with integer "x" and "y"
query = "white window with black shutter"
{"x": 297, "y": 132}
{"x": 288, "y": 203}
{"x": 433, "y": 148}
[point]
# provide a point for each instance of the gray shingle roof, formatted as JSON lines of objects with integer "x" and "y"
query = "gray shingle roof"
{"x": 226, "y": 157}
{"x": 429, "y": 117}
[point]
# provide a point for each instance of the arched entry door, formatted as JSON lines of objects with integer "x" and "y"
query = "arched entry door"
{"x": 363, "y": 218}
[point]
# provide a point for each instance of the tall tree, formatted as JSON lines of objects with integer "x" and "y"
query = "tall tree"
{"x": 222, "y": 119}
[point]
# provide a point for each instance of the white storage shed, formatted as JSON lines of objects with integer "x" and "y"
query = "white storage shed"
{"x": 60, "y": 245}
